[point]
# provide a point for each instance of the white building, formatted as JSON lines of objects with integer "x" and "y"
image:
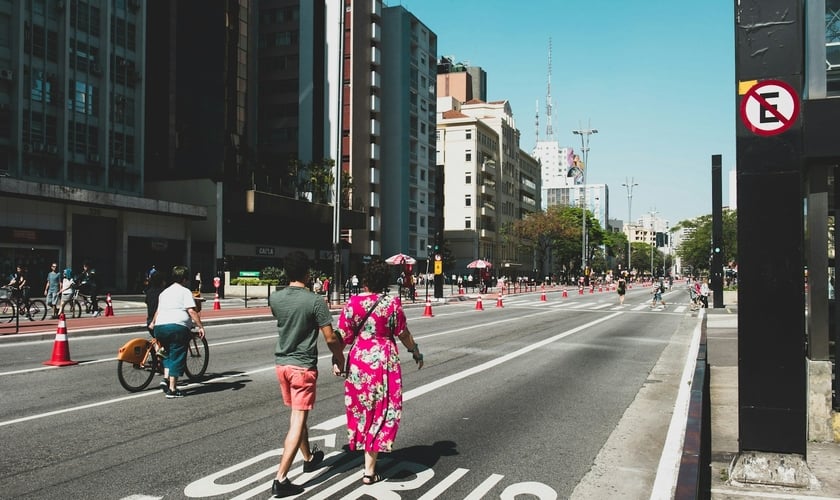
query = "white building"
{"x": 490, "y": 181}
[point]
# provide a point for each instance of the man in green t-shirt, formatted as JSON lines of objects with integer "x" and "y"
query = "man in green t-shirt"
{"x": 300, "y": 315}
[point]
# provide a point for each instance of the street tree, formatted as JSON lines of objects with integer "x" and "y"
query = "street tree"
{"x": 696, "y": 248}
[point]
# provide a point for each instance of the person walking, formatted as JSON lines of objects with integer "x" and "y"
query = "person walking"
{"x": 172, "y": 324}
{"x": 52, "y": 287}
{"x": 66, "y": 290}
{"x": 704, "y": 293}
{"x": 371, "y": 322}
{"x": 621, "y": 289}
{"x": 658, "y": 290}
{"x": 87, "y": 285}
{"x": 300, "y": 315}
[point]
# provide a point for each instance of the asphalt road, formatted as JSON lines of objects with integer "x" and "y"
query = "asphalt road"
{"x": 558, "y": 399}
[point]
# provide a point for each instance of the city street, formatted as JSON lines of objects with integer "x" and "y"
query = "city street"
{"x": 538, "y": 397}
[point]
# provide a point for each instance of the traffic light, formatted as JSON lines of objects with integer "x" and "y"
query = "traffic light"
{"x": 660, "y": 240}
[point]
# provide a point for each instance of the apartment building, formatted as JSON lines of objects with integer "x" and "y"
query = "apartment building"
{"x": 72, "y": 121}
{"x": 408, "y": 174}
{"x": 490, "y": 182}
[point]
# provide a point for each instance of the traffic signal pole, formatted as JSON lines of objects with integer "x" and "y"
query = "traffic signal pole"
{"x": 716, "y": 274}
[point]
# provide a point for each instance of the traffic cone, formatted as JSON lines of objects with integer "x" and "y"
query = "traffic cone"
{"x": 580, "y": 291}
{"x": 478, "y": 305}
{"x": 216, "y": 304}
{"x": 499, "y": 301}
{"x": 61, "y": 348}
{"x": 109, "y": 306}
{"x": 428, "y": 310}
{"x": 565, "y": 293}
{"x": 460, "y": 290}
{"x": 543, "y": 297}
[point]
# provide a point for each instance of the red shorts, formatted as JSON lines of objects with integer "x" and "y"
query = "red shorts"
{"x": 297, "y": 385}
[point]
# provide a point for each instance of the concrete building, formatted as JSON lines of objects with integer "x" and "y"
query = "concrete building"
{"x": 409, "y": 211}
{"x": 72, "y": 100}
{"x": 489, "y": 183}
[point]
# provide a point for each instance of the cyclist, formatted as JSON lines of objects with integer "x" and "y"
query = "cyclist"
{"x": 172, "y": 323}
{"x": 87, "y": 286}
{"x": 17, "y": 285}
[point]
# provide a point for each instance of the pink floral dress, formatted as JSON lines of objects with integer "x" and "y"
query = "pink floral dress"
{"x": 373, "y": 388}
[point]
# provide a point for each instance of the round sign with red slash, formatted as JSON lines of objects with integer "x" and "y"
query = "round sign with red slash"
{"x": 770, "y": 107}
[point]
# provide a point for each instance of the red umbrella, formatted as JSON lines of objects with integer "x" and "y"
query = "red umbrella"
{"x": 400, "y": 259}
{"x": 479, "y": 264}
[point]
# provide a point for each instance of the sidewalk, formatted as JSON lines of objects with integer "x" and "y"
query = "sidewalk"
{"x": 823, "y": 459}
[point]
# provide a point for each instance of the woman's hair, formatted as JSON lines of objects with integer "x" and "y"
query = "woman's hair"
{"x": 377, "y": 277}
{"x": 180, "y": 274}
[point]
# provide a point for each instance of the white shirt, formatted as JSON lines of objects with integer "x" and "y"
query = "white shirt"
{"x": 173, "y": 304}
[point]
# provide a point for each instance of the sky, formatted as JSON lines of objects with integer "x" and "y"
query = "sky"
{"x": 656, "y": 78}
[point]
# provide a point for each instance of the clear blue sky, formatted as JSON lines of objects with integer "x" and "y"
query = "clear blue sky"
{"x": 655, "y": 77}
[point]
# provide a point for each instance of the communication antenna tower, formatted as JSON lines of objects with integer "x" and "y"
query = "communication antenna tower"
{"x": 548, "y": 130}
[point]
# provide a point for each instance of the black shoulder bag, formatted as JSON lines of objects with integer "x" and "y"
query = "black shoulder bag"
{"x": 358, "y": 329}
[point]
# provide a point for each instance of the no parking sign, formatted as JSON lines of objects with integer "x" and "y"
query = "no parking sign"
{"x": 769, "y": 107}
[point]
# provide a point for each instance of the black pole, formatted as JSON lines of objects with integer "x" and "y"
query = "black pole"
{"x": 716, "y": 273}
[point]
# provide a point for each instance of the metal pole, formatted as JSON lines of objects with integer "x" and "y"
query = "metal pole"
{"x": 629, "y": 184}
{"x": 426, "y": 277}
{"x": 584, "y": 149}
{"x": 336, "y": 281}
{"x": 652, "y": 241}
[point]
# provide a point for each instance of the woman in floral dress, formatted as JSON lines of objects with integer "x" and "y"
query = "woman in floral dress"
{"x": 373, "y": 388}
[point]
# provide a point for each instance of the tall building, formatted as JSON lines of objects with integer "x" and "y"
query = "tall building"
{"x": 72, "y": 157}
{"x": 489, "y": 183}
{"x": 409, "y": 215}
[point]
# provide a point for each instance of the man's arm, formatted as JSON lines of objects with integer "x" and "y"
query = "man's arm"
{"x": 336, "y": 346}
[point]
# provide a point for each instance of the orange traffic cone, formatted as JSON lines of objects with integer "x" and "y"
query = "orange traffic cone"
{"x": 543, "y": 297}
{"x": 216, "y": 304}
{"x": 565, "y": 293}
{"x": 499, "y": 301}
{"x": 109, "y": 306}
{"x": 428, "y": 310}
{"x": 61, "y": 349}
{"x": 478, "y": 305}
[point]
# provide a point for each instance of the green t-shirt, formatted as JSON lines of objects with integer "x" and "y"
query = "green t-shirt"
{"x": 300, "y": 315}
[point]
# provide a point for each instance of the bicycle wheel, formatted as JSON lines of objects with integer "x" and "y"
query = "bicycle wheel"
{"x": 37, "y": 310}
{"x": 135, "y": 377}
{"x": 198, "y": 357}
{"x": 75, "y": 308}
{"x": 7, "y": 311}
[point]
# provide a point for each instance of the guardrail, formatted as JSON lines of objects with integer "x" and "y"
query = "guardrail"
{"x": 694, "y": 480}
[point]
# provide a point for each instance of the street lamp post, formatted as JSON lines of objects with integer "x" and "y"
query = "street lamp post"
{"x": 584, "y": 150}
{"x": 652, "y": 241}
{"x": 629, "y": 184}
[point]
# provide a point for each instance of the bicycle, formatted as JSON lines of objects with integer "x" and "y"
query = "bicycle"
{"x": 80, "y": 303}
{"x": 13, "y": 303}
{"x": 138, "y": 361}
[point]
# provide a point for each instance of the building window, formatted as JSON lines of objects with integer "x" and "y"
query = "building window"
{"x": 468, "y": 178}
{"x": 467, "y": 223}
{"x": 468, "y": 200}
{"x": 469, "y": 134}
{"x": 468, "y": 155}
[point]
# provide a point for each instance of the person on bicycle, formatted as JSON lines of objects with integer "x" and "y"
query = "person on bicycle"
{"x": 18, "y": 279}
{"x": 172, "y": 326}
{"x": 87, "y": 286}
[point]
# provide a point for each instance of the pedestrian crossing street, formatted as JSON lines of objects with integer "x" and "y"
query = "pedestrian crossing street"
{"x": 555, "y": 301}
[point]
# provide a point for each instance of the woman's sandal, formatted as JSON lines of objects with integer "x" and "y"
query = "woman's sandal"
{"x": 371, "y": 479}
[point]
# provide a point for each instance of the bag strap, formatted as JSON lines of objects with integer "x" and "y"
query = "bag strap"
{"x": 359, "y": 328}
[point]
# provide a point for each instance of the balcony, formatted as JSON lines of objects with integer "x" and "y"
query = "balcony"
{"x": 375, "y": 80}
{"x": 374, "y": 151}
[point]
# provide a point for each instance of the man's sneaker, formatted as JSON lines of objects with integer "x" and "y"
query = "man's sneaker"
{"x": 174, "y": 394}
{"x": 164, "y": 385}
{"x": 314, "y": 462}
{"x": 285, "y": 489}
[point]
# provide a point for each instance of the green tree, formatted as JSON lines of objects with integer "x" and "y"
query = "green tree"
{"x": 695, "y": 249}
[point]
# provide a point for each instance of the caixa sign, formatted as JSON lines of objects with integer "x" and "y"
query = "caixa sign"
{"x": 265, "y": 251}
